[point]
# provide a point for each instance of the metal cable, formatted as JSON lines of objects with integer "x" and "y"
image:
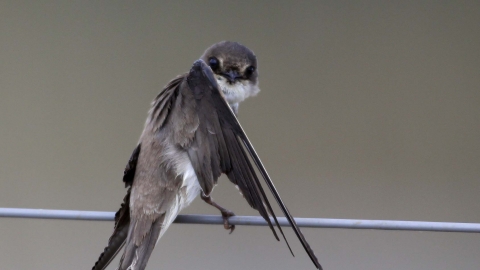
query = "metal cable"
{"x": 255, "y": 221}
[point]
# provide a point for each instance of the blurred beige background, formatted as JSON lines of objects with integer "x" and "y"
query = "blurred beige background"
{"x": 368, "y": 110}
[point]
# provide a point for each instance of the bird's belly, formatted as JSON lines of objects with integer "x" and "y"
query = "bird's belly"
{"x": 190, "y": 188}
{"x": 188, "y": 191}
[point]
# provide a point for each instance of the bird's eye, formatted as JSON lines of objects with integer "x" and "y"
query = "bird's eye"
{"x": 249, "y": 71}
{"x": 213, "y": 63}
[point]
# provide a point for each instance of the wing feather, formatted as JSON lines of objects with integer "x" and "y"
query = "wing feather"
{"x": 220, "y": 129}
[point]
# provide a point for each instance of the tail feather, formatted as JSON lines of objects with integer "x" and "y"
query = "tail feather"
{"x": 115, "y": 244}
{"x": 117, "y": 240}
{"x": 143, "y": 236}
{"x": 135, "y": 256}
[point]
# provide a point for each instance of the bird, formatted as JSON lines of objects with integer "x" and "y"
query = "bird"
{"x": 192, "y": 136}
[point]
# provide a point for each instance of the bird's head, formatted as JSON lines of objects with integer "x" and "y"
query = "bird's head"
{"x": 235, "y": 69}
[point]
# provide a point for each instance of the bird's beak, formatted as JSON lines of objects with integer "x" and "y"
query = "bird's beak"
{"x": 231, "y": 75}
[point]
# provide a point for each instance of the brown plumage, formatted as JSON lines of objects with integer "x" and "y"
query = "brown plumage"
{"x": 190, "y": 138}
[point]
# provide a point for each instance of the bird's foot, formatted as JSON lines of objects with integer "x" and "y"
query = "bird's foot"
{"x": 225, "y": 212}
{"x": 226, "y": 224}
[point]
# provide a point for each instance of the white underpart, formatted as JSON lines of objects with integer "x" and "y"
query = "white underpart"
{"x": 189, "y": 190}
{"x": 237, "y": 92}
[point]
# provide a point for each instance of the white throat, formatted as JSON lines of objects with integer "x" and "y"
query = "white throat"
{"x": 237, "y": 92}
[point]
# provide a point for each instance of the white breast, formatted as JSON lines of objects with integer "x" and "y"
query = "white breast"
{"x": 188, "y": 191}
{"x": 190, "y": 182}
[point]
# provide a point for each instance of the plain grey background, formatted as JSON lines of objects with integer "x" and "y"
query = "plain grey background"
{"x": 368, "y": 110}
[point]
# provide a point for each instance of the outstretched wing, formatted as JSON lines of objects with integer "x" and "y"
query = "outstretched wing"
{"x": 219, "y": 147}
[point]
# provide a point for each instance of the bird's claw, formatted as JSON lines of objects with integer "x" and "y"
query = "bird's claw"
{"x": 226, "y": 224}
